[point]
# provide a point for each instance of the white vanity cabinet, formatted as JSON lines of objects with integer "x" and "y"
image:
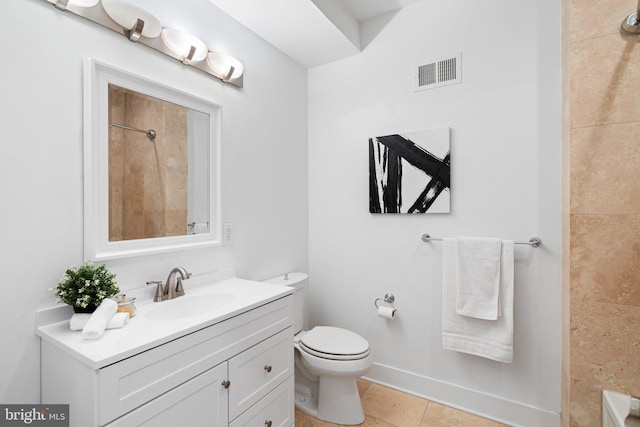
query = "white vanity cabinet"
{"x": 201, "y": 401}
{"x": 237, "y": 372}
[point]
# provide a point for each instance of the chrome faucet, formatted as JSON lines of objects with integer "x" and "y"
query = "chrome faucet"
{"x": 173, "y": 287}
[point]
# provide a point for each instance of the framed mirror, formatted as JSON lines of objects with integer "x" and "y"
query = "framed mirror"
{"x": 151, "y": 166}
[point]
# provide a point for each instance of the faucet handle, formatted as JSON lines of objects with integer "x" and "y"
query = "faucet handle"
{"x": 179, "y": 287}
{"x": 159, "y": 293}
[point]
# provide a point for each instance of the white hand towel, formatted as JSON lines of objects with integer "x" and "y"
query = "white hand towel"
{"x": 478, "y": 277}
{"x": 98, "y": 321}
{"x": 78, "y": 320}
{"x": 492, "y": 339}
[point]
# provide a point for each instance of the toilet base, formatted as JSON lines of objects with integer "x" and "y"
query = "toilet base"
{"x": 338, "y": 401}
{"x": 308, "y": 405}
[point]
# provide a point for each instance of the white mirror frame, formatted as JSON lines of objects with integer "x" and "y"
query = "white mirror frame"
{"x": 97, "y": 247}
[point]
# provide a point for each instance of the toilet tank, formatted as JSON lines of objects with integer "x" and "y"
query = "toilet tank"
{"x": 298, "y": 281}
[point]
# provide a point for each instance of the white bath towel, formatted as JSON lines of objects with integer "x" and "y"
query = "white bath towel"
{"x": 98, "y": 320}
{"x": 492, "y": 339}
{"x": 478, "y": 276}
{"x": 78, "y": 320}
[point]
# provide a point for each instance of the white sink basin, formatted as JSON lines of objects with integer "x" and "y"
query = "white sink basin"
{"x": 188, "y": 306}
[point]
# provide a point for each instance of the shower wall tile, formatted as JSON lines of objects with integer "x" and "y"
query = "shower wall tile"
{"x": 116, "y": 162}
{"x": 605, "y": 250}
{"x": 604, "y": 79}
{"x": 115, "y": 224}
{"x": 148, "y": 179}
{"x": 595, "y": 18}
{"x": 603, "y": 228}
{"x": 604, "y": 311}
{"x": 153, "y": 205}
{"x": 176, "y": 151}
{"x": 175, "y": 222}
{"x": 176, "y": 191}
{"x": 604, "y": 348}
{"x": 605, "y": 164}
{"x": 176, "y": 120}
{"x": 604, "y": 354}
{"x": 565, "y": 414}
{"x": 144, "y": 112}
{"x": 585, "y": 407}
{"x": 605, "y": 308}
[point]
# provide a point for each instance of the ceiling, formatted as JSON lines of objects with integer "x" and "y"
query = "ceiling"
{"x": 363, "y": 10}
{"x": 311, "y": 32}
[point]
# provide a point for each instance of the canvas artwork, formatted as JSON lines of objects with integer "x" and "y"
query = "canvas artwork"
{"x": 409, "y": 172}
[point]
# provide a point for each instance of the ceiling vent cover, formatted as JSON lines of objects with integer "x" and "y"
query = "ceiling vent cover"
{"x": 439, "y": 73}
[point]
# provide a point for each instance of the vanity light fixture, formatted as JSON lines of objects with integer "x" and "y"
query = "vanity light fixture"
{"x": 62, "y": 4}
{"x": 226, "y": 66}
{"x": 141, "y": 26}
{"x": 189, "y": 47}
{"x": 134, "y": 21}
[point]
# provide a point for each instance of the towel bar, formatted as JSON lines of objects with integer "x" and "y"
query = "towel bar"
{"x": 534, "y": 241}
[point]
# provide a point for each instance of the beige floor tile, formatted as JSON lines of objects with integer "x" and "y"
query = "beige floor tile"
{"x": 363, "y": 386}
{"x": 437, "y": 415}
{"x": 385, "y": 407}
{"x": 305, "y": 420}
{"x": 371, "y": 421}
{"x": 392, "y": 406}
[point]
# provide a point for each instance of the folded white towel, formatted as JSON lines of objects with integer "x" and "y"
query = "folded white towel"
{"x": 478, "y": 277}
{"x": 98, "y": 320}
{"x": 492, "y": 339}
{"x": 78, "y": 320}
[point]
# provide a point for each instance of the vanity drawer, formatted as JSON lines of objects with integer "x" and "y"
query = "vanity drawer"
{"x": 132, "y": 382}
{"x": 276, "y": 407}
{"x": 258, "y": 370}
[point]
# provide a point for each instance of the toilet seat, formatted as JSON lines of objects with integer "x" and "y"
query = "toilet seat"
{"x": 333, "y": 343}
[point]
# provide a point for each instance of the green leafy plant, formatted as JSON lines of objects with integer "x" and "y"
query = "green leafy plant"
{"x": 86, "y": 286}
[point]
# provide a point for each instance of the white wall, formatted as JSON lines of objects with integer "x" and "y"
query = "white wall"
{"x": 264, "y": 131}
{"x": 506, "y": 182}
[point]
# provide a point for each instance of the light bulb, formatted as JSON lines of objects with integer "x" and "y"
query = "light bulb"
{"x": 181, "y": 42}
{"x": 127, "y": 15}
{"x": 222, "y": 64}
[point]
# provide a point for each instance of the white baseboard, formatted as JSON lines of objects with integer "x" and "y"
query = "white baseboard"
{"x": 496, "y": 408}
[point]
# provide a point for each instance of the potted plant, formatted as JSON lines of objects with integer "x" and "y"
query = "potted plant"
{"x": 85, "y": 287}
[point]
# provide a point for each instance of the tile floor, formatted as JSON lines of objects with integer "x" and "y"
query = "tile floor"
{"x": 385, "y": 407}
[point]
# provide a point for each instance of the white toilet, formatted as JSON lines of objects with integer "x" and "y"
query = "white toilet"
{"x": 327, "y": 362}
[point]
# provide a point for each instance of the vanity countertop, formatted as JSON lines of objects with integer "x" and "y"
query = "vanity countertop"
{"x": 147, "y": 330}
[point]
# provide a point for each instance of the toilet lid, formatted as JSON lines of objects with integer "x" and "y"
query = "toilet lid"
{"x": 334, "y": 343}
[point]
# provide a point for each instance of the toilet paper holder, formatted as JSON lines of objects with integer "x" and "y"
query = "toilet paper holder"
{"x": 388, "y": 298}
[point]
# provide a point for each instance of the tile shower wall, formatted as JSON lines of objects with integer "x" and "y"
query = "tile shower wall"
{"x": 145, "y": 199}
{"x": 603, "y": 308}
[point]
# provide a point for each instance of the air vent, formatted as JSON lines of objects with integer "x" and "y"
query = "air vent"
{"x": 438, "y": 73}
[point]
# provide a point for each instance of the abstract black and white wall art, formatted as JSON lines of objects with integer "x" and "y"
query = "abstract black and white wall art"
{"x": 409, "y": 172}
